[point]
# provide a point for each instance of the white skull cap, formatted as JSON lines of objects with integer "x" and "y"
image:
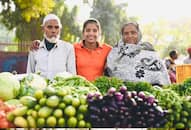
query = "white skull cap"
{"x": 51, "y": 17}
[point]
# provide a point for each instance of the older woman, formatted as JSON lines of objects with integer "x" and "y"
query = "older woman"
{"x": 133, "y": 60}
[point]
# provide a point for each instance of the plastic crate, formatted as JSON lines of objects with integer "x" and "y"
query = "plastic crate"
{"x": 183, "y": 72}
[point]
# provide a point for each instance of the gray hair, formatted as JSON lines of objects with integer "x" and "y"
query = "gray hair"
{"x": 136, "y": 26}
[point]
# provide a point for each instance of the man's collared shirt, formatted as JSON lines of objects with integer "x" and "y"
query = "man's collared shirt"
{"x": 91, "y": 63}
{"x": 60, "y": 58}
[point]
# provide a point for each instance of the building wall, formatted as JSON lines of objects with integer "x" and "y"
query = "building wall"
{"x": 13, "y": 61}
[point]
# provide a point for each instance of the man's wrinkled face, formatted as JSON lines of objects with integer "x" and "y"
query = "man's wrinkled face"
{"x": 51, "y": 29}
{"x": 130, "y": 34}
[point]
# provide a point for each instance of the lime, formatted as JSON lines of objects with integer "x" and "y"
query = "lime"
{"x": 58, "y": 113}
{"x": 72, "y": 122}
{"x": 83, "y": 108}
{"x": 83, "y": 100}
{"x": 34, "y": 114}
{"x": 68, "y": 99}
{"x": 61, "y": 122}
{"x": 70, "y": 111}
{"x": 81, "y": 124}
{"x": 51, "y": 121}
{"x": 75, "y": 102}
{"x": 38, "y": 94}
{"x": 45, "y": 112}
{"x": 88, "y": 125}
{"x": 61, "y": 92}
{"x": 37, "y": 107}
{"x": 80, "y": 116}
{"x": 49, "y": 91}
{"x": 62, "y": 105}
{"x": 52, "y": 101}
{"x": 29, "y": 112}
{"x": 42, "y": 101}
{"x": 40, "y": 122}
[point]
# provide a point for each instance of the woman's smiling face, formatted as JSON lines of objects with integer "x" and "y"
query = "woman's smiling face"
{"x": 130, "y": 34}
{"x": 91, "y": 33}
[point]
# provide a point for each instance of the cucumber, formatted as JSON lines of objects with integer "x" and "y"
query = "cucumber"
{"x": 179, "y": 125}
{"x": 28, "y": 101}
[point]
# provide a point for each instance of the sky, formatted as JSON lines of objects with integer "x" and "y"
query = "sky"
{"x": 146, "y": 10}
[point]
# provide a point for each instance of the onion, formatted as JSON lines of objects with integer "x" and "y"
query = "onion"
{"x": 141, "y": 95}
{"x": 123, "y": 89}
{"x": 118, "y": 96}
{"x": 111, "y": 91}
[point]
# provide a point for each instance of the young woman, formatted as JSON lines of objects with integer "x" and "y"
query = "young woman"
{"x": 90, "y": 54}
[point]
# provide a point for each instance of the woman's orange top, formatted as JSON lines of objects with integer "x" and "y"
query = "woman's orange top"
{"x": 91, "y": 63}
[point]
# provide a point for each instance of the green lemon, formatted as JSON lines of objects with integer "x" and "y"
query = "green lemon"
{"x": 62, "y": 92}
{"x": 58, "y": 113}
{"x": 83, "y": 100}
{"x": 40, "y": 122}
{"x": 72, "y": 122}
{"x": 68, "y": 99}
{"x": 61, "y": 122}
{"x": 81, "y": 124}
{"x": 70, "y": 111}
{"x": 83, "y": 108}
{"x": 52, "y": 101}
{"x": 51, "y": 121}
{"x": 62, "y": 105}
{"x": 75, "y": 102}
{"x": 38, "y": 94}
{"x": 88, "y": 125}
{"x": 42, "y": 101}
{"x": 80, "y": 116}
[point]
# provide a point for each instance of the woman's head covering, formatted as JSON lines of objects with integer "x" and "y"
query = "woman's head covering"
{"x": 136, "y": 26}
{"x": 51, "y": 17}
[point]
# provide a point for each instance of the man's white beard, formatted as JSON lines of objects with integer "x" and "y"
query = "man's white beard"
{"x": 52, "y": 39}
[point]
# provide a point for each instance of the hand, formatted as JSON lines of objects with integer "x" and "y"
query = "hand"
{"x": 35, "y": 45}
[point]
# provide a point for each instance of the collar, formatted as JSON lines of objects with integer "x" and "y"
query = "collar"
{"x": 42, "y": 44}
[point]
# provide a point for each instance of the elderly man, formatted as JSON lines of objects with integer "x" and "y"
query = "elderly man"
{"x": 53, "y": 56}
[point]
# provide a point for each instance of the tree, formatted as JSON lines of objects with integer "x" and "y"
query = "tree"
{"x": 166, "y": 36}
{"x": 111, "y": 18}
{"x": 28, "y": 23}
{"x": 24, "y": 15}
{"x": 70, "y": 29}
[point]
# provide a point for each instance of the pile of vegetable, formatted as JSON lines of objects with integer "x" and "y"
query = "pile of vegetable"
{"x": 30, "y": 83}
{"x": 125, "y": 109}
{"x": 74, "y": 85}
{"x": 50, "y": 108}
